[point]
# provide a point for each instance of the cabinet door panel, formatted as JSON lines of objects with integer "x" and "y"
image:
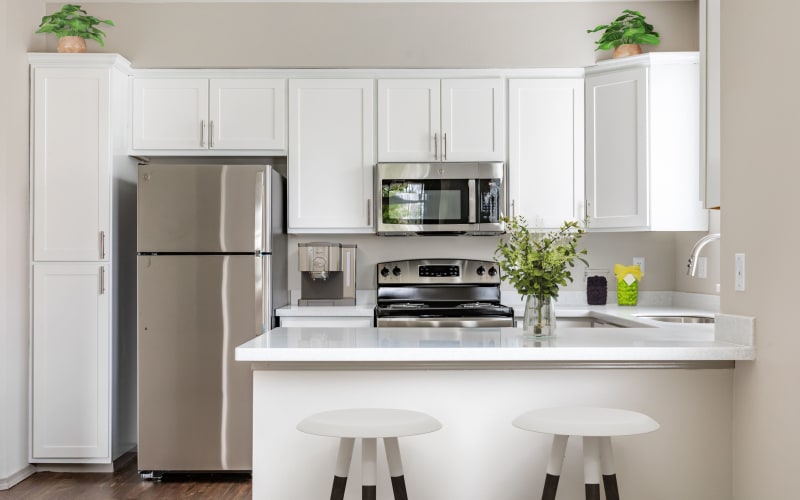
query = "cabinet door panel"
{"x": 70, "y": 361}
{"x": 170, "y": 113}
{"x": 616, "y": 155}
{"x": 248, "y": 114}
{"x": 331, "y": 155}
{"x": 546, "y": 150}
{"x": 472, "y": 120}
{"x": 70, "y": 164}
{"x": 408, "y": 114}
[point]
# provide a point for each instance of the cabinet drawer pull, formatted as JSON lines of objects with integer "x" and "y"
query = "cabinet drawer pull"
{"x": 444, "y": 146}
{"x": 210, "y": 133}
{"x": 369, "y": 211}
{"x": 102, "y": 280}
{"x": 435, "y": 146}
{"x": 102, "y": 244}
{"x": 202, "y": 133}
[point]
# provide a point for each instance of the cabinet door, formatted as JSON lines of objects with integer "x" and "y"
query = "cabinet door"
{"x": 331, "y": 155}
{"x": 616, "y": 149}
{"x": 472, "y": 120}
{"x": 546, "y": 156}
{"x": 170, "y": 113}
{"x": 408, "y": 120}
{"x": 71, "y": 187}
{"x": 247, "y": 114}
{"x": 70, "y": 361}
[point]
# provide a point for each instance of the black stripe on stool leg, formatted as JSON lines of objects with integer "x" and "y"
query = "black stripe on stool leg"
{"x": 337, "y": 490}
{"x": 592, "y": 492}
{"x": 369, "y": 492}
{"x": 550, "y": 487}
{"x": 399, "y": 488}
{"x": 610, "y": 485}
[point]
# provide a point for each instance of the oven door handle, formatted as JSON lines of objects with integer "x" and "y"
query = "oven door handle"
{"x": 446, "y": 322}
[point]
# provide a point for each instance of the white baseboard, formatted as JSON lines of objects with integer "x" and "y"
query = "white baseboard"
{"x": 8, "y": 482}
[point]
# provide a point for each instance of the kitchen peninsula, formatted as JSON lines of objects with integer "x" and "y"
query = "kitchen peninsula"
{"x": 475, "y": 381}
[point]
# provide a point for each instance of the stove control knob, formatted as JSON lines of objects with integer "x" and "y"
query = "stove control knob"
{"x": 492, "y": 271}
{"x": 385, "y": 272}
{"x": 481, "y": 271}
{"x": 396, "y": 271}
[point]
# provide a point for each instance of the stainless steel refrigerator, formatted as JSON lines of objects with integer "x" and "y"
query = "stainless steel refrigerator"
{"x": 211, "y": 270}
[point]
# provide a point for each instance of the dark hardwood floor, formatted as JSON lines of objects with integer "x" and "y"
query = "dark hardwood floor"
{"x": 125, "y": 483}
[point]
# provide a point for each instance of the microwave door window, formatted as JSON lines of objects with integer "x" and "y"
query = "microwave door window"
{"x": 425, "y": 202}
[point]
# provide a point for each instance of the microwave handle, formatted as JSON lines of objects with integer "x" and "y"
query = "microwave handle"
{"x": 474, "y": 197}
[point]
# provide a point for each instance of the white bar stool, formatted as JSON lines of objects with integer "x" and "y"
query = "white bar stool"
{"x": 369, "y": 424}
{"x": 596, "y": 426}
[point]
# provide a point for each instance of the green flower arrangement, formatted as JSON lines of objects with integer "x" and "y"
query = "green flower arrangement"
{"x": 72, "y": 20}
{"x": 538, "y": 263}
{"x": 629, "y": 28}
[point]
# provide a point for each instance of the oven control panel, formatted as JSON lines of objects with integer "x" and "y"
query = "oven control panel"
{"x": 438, "y": 271}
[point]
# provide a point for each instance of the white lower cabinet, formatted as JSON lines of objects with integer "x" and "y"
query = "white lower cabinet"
{"x": 326, "y": 321}
{"x": 545, "y": 160}
{"x": 331, "y": 155}
{"x": 71, "y": 408}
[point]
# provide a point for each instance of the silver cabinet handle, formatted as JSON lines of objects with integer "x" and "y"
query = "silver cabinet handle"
{"x": 102, "y": 244}
{"x": 513, "y": 208}
{"x": 369, "y": 211}
{"x": 202, "y": 133}
{"x": 435, "y": 146}
{"x": 444, "y": 146}
{"x": 210, "y": 133}
{"x": 102, "y": 280}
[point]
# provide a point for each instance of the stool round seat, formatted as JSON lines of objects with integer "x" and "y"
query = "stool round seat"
{"x": 586, "y": 421}
{"x": 369, "y": 423}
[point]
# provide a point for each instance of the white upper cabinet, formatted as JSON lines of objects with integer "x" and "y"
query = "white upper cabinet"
{"x": 71, "y": 162}
{"x": 331, "y": 155}
{"x": 440, "y": 120}
{"x": 180, "y": 115}
{"x": 642, "y": 144}
{"x": 545, "y": 159}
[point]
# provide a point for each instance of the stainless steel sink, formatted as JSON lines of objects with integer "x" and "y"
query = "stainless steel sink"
{"x": 679, "y": 319}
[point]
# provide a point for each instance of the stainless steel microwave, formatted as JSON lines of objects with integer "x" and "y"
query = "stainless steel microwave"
{"x": 440, "y": 198}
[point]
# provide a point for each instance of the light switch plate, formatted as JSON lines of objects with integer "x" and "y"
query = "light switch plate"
{"x": 739, "y": 269}
{"x": 640, "y": 262}
{"x": 702, "y": 267}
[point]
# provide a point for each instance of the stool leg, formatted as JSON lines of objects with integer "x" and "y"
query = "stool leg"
{"x": 342, "y": 468}
{"x": 395, "y": 468}
{"x": 608, "y": 470}
{"x": 554, "y": 464}
{"x": 591, "y": 466}
{"x": 369, "y": 468}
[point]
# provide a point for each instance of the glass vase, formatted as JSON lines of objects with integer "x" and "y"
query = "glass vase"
{"x": 540, "y": 317}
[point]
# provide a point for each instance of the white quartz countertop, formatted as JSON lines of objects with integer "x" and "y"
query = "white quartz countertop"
{"x": 354, "y": 345}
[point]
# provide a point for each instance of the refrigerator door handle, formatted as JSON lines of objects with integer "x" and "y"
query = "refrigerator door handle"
{"x": 259, "y": 213}
{"x": 262, "y": 277}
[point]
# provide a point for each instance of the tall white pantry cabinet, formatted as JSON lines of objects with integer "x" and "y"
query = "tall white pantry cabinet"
{"x": 83, "y": 291}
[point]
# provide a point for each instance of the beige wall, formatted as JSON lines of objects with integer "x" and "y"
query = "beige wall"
{"x": 16, "y": 38}
{"x": 760, "y": 178}
{"x": 447, "y": 35}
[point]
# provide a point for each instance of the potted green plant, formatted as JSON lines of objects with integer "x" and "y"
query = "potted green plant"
{"x": 538, "y": 263}
{"x": 73, "y": 26}
{"x": 625, "y": 34}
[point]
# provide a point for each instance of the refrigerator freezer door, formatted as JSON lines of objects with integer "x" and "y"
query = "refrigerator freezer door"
{"x": 203, "y": 208}
{"x": 195, "y": 400}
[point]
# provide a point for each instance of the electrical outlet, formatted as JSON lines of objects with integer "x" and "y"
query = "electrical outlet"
{"x": 640, "y": 262}
{"x": 702, "y": 267}
{"x": 739, "y": 278}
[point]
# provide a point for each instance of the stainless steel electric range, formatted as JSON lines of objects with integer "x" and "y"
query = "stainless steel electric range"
{"x": 440, "y": 292}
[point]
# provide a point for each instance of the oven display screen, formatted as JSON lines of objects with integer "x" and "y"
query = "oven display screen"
{"x": 438, "y": 271}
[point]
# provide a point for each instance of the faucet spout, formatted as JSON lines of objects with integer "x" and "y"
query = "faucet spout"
{"x": 705, "y": 240}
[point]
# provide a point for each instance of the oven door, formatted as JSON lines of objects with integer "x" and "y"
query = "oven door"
{"x": 417, "y": 322}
